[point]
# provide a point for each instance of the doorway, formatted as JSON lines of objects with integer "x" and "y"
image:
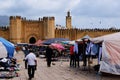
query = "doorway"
{"x": 32, "y": 40}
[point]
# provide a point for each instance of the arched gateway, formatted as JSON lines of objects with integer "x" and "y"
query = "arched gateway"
{"x": 29, "y": 31}
{"x": 32, "y": 40}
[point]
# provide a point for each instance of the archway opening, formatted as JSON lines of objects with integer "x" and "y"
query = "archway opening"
{"x": 32, "y": 40}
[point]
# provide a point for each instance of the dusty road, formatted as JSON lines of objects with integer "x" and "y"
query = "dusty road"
{"x": 59, "y": 71}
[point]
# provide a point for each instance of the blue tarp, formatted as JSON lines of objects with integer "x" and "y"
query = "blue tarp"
{"x": 9, "y": 47}
{"x": 53, "y": 40}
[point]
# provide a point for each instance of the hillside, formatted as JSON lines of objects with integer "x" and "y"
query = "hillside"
{"x": 4, "y": 20}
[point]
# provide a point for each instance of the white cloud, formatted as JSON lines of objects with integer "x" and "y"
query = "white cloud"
{"x": 83, "y": 12}
{"x": 72, "y": 4}
{"x": 98, "y": 8}
{"x": 4, "y": 4}
{"x": 43, "y": 4}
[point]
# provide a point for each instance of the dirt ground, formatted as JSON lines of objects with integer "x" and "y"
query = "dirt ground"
{"x": 59, "y": 70}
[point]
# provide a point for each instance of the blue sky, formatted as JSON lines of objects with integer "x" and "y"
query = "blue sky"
{"x": 85, "y": 13}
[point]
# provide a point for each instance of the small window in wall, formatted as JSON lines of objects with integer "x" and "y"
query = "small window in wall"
{"x": 32, "y": 40}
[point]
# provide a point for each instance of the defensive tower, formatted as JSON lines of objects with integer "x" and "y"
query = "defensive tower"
{"x": 68, "y": 21}
{"x": 15, "y": 29}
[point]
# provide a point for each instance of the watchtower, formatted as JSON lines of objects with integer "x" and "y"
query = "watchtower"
{"x": 15, "y": 29}
{"x": 68, "y": 21}
{"x": 49, "y": 27}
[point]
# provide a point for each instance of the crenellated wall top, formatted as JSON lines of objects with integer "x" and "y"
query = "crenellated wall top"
{"x": 15, "y": 17}
{"x": 91, "y": 30}
{"x": 50, "y": 18}
{"x": 31, "y": 20}
{"x": 4, "y": 27}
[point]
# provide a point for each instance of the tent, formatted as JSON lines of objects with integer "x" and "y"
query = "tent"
{"x": 110, "y": 53}
{"x": 65, "y": 42}
{"x": 3, "y": 51}
{"x": 39, "y": 43}
{"x": 8, "y": 46}
{"x": 72, "y": 42}
{"x": 54, "y": 40}
{"x": 58, "y": 46}
{"x": 86, "y": 37}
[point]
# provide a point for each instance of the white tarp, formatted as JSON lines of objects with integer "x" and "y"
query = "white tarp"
{"x": 110, "y": 53}
{"x": 72, "y": 42}
{"x": 84, "y": 37}
{"x": 3, "y": 51}
{"x": 114, "y": 36}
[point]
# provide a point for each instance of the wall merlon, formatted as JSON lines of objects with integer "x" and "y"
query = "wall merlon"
{"x": 4, "y": 27}
{"x": 15, "y": 17}
{"x": 18, "y": 17}
{"x": 24, "y": 18}
{"x": 45, "y": 18}
{"x": 51, "y": 18}
{"x": 89, "y": 30}
{"x": 11, "y": 17}
{"x": 40, "y": 19}
{"x": 48, "y": 18}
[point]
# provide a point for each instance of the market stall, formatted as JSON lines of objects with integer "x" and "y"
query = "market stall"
{"x": 110, "y": 62}
{"x": 8, "y": 63}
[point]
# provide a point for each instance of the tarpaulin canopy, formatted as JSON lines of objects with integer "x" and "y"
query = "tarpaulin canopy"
{"x": 3, "y": 51}
{"x": 54, "y": 40}
{"x": 113, "y": 36}
{"x": 39, "y": 43}
{"x": 9, "y": 47}
{"x": 110, "y": 53}
{"x": 65, "y": 42}
{"x": 86, "y": 37}
{"x": 68, "y": 42}
{"x": 58, "y": 46}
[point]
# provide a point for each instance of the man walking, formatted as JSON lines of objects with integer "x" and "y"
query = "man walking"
{"x": 26, "y": 52}
{"x": 49, "y": 53}
{"x": 32, "y": 64}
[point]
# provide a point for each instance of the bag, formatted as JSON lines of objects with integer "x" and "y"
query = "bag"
{"x": 81, "y": 58}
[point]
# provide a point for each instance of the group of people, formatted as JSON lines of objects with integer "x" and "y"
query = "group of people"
{"x": 84, "y": 50}
{"x": 76, "y": 50}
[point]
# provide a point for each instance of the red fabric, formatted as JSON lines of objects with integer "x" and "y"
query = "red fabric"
{"x": 58, "y": 46}
{"x": 71, "y": 50}
{"x": 39, "y": 43}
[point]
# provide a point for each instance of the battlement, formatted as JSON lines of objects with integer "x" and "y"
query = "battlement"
{"x": 48, "y": 18}
{"x": 91, "y": 30}
{"x": 40, "y": 19}
{"x": 4, "y": 28}
{"x": 23, "y": 18}
{"x": 15, "y": 17}
{"x": 31, "y": 20}
{"x": 51, "y": 18}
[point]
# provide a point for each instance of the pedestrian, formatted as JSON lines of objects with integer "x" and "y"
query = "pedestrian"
{"x": 49, "y": 52}
{"x": 76, "y": 53}
{"x": 80, "y": 50}
{"x": 72, "y": 56}
{"x": 84, "y": 53}
{"x": 32, "y": 64}
{"x": 26, "y": 52}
